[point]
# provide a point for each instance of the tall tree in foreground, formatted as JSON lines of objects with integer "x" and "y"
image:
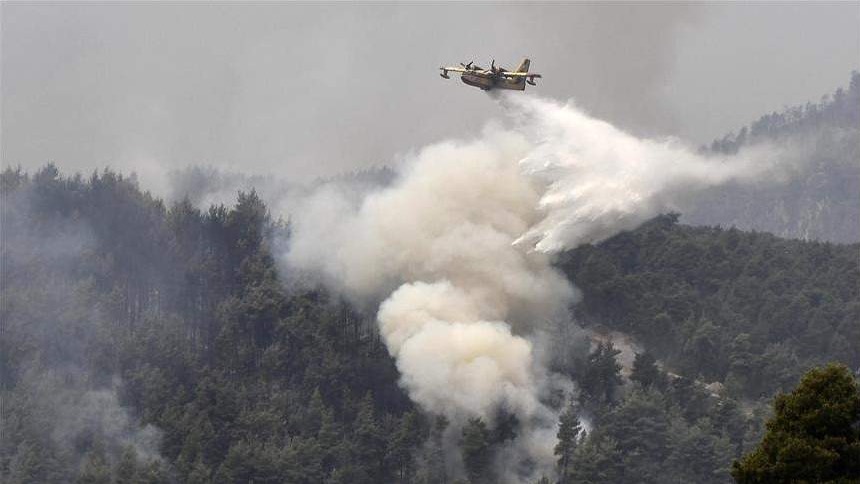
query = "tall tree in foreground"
{"x": 814, "y": 434}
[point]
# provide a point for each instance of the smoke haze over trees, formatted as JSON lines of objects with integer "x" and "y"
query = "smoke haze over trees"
{"x": 205, "y": 367}
{"x": 547, "y": 298}
{"x": 821, "y": 198}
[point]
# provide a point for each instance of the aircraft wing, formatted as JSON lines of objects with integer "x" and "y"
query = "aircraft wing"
{"x": 521, "y": 74}
{"x": 452, "y": 69}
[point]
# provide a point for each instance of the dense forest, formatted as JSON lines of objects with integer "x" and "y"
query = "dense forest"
{"x": 150, "y": 343}
{"x": 746, "y": 309}
{"x": 728, "y": 319}
{"x": 818, "y": 198}
{"x": 178, "y": 316}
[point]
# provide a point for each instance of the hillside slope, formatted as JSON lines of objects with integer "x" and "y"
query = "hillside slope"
{"x": 821, "y": 201}
{"x": 745, "y": 308}
{"x": 159, "y": 344}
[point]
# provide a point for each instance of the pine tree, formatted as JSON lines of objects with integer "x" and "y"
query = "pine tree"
{"x": 200, "y": 473}
{"x": 436, "y": 472}
{"x": 313, "y": 417}
{"x": 645, "y": 371}
{"x": 32, "y": 463}
{"x": 640, "y": 427}
{"x": 698, "y": 454}
{"x": 602, "y": 374}
{"x": 328, "y": 439}
{"x": 369, "y": 442}
{"x": 813, "y": 435}
{"x": 409, "y": 436}
{"x": 153, "y": 473}
{"x": 568, "y": 436}
{"x": 94, "y": 470}
{"x": 127, "y": 468}
{"x": 596, "y": 460}
{"x": 476, "y": 451}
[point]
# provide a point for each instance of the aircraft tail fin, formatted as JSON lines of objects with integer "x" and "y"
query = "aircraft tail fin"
{"x": 524, "y": 66}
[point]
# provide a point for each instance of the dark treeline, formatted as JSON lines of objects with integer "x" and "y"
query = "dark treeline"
{"x": 841, "y": 109}
{"x": 147, "y": 343}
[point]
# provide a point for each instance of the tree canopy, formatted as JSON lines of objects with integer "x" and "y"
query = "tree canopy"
{"x": 814, "y": 434}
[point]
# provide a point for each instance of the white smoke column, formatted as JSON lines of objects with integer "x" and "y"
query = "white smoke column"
{"x": 443, "y": 234}
{"x": 450, "y": 248}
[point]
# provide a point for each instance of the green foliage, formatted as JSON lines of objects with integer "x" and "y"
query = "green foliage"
{"x": 180, "y": 316}
{"x": 601, "y": 378}
{"x": 569, "y": 429}
{"x": 645, "y": 371}
{"x": 246, "y": 380}
{"x": 476, "y": 451}
{"x": 596, "y": 460}
{"x": 436, "y": 471}
{"x": 369, "y": 442}
{"x": 699, "y": 453}
{"x": 410, "y": 436}
{"x": 673, "y": 432}
{"x": 747, "y": 309}
{"x": 641, "y": 428}
{"x": 814, "y": 434}
{"x": 94, "y": 470}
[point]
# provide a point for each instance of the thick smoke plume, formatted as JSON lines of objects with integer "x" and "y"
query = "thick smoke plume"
{"x": 458, "y": 249}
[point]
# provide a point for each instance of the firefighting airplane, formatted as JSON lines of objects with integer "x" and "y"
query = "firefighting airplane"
{"x": 494, "y": 77}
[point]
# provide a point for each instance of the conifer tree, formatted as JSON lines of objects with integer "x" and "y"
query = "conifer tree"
{"x": 94, "y": 470}
{"x": 369, "y": 442}
{"x": 602, "y": 374}
{"x": 127, "y": 468}
{"x": 200, "y": 472}
{"x": 813, "y": 435}
{"x": 476, "y": 450}
{"x": 568, "y": 436}
{"x": 596, "y": 460}
{"x": 436, "y": 452}
{"x": 645, "y": 371}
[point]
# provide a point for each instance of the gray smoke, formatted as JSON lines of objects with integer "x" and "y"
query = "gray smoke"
{"x": 459, "y": 250}
{"x": 50, "y": 321}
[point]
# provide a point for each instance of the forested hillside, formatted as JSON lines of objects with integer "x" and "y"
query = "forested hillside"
{"x": 151, "y": 343}
{"x": 820, "y": 200}
{"x": 748, "y": 309}
{"x": 173, "y": 320}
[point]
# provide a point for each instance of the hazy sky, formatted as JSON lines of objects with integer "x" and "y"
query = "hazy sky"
{"x": 308, "y": 89}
